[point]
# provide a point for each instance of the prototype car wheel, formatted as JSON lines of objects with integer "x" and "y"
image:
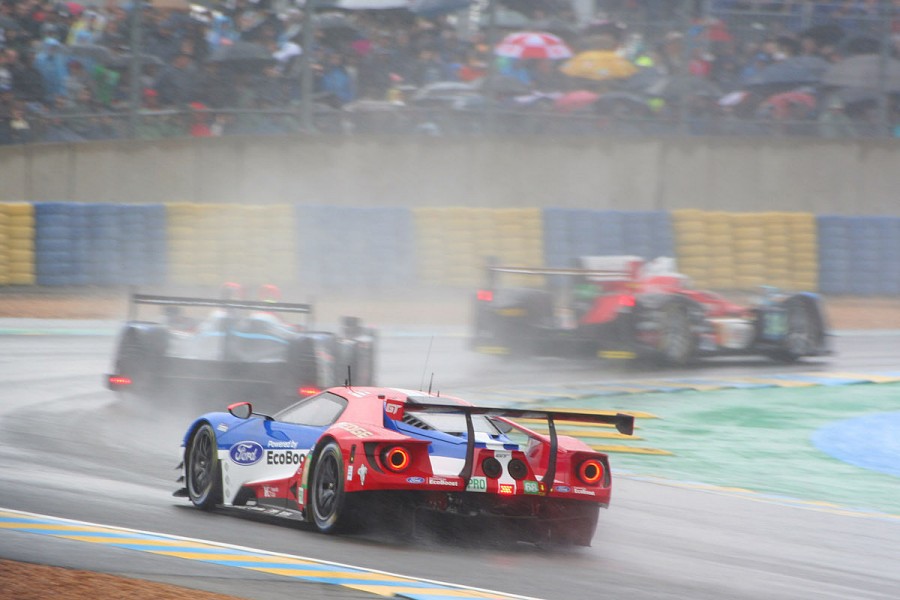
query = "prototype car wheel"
{"x": 803, "y": 331}
{"x": 327, "y": 498}
{"x": 676, "y": 343}
{"x": 202, "y": 475}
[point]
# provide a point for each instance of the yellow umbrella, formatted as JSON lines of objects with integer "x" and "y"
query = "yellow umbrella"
{"x": 599, "y": 65}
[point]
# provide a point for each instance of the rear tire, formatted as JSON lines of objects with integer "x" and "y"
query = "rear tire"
{"x": 677, "y": 343}
{"x": 327, "y": 500}
{"x": 202, "y": 469}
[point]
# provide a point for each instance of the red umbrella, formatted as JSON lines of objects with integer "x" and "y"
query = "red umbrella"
{"x": 576, "y": 100}
{"x": 533, "y": 44}
{"x": 74, "y": 8}
{"x": 781, "y": 104}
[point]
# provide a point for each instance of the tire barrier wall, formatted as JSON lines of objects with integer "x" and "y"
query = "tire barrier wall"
{"x": 64, "y": 243}
{"x": 454, "y": 242}
{"x": 17, "y": 244}
{"x": 99, "y": 244}
{"x": 212, "y": 243}
{"x": 860, "y": 256}
{"x": 744, "y": 250}
{"x": 571, "y": 232}
{"x": 341, "y": 247}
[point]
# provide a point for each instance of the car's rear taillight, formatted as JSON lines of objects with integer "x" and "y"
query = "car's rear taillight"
{"x": 485, "y": 296}
{"x": 115, "y": 381}
{"x": 396, "y": 459}
{"x": 590, "y": 471}
{"x": 307, "y": 391}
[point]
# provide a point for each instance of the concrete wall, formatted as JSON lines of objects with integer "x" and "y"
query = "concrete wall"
{"x": 823, "y": 177}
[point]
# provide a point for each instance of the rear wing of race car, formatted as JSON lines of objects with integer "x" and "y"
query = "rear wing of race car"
{"x": 395, "y": 409}
{"x": 596, "y": 269}
{"x": 138, "y": 299}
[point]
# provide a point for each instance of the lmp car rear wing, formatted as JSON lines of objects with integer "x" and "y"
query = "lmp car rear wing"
{"x": 396, "y": 408}
{"x": 137, "y": 299}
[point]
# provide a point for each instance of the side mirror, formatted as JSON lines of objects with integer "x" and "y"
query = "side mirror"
{"x": 241, "y": 410}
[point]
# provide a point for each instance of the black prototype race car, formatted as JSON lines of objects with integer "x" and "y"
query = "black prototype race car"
{"x": 240, "y": 343}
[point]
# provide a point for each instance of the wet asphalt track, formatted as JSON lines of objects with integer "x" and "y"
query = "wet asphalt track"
{"x": 68, "y": 448}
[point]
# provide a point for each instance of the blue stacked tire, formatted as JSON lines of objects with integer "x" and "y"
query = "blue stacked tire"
{"x": 54, "y": 264}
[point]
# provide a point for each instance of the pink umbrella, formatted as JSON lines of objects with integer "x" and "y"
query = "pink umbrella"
{"x": 576, "y": 100}
{"x": 533, "y": 44}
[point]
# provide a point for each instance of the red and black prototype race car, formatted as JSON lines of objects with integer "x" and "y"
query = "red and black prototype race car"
{"x": 240, "y": 344}
{"x": 622, "y": 307}
{"x": 354, "y": 452}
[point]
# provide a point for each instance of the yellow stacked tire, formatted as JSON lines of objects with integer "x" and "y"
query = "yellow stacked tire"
{"x": 4, "y": 250}
{"x": 749, "y": 250}
{"x": 692, "y": 250}
{"x": 430, "y": 244}
{"x": 804, "y": 252}
{"x": 20, "y": 243}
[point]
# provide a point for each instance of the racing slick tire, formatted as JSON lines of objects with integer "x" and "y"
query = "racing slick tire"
{"x": 677, "y": 343}
{"x": 804, "y": 331}
{"x": 328, "y": 506}
{"x": 202, "y": 471}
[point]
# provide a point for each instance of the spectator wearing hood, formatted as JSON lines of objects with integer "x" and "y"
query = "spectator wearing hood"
{"x": 51, "y": 62}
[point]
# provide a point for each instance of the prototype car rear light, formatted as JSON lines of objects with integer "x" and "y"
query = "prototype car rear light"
{"x": 492, "y": 467}
{"x": 307, "y": 391}
{"x": 590, "y": 471}
{"x": 485, "y": 295}
{"x": 626, "y": 300}
{"x": 119, "y": 380}
{"x": 396, "y": 459}
{"x": 518, "y": 470}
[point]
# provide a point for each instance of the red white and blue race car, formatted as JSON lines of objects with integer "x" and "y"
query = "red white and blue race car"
{"x": 350, "y": 452}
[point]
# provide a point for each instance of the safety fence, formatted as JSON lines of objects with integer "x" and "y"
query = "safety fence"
{"x": 330, "y": 247}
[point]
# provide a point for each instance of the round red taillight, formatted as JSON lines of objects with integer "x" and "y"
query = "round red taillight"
{"x": 590, "y": 471}
{"x": 396, "y": 459}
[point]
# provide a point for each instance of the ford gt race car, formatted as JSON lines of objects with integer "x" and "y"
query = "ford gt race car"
{"x": 239, "y": 344}
{"x": 622, "y": 307}
{"x": 350, "y": 452}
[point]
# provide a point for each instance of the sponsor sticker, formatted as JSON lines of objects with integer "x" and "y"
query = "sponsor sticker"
{"x": 477, "y": 484}
{"x": 415, "y": 480}
{"x": 584, "y": 492}
{"x": 269, "y": 492}
{"x": 246, "y": 453}
{"x": 442, "y": 481}
{"x": 360, "y": 432}
{"x": 350, "y": 473}
{"x": 563, "y": 489}
{"x": 531, "y": 487}
{"x": 222, "y": 427}
{"x": 362, "y": 474}
{"x": 288, "y": 444}
{"x": 281, "y": 457}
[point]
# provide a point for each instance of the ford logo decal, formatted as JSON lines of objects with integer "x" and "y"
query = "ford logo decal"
{"x": 246, "y": 453}
{"x": 563, "y": 489}
{"x": 415, "y": 480}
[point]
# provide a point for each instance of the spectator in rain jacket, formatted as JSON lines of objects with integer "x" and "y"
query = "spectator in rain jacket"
{"x": 336, "y": 79}
{"x": 51, "y": 63}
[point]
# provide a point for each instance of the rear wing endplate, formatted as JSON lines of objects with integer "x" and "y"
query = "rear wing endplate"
{"x": 623, "y": 423}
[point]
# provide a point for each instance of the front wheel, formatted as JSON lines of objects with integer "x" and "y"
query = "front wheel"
{"x": 328, "y": 501}
{"x": 204, "y": 482}
{"x": 803, "y": 331}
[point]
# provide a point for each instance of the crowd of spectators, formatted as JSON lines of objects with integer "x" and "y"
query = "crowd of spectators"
{"x": 236, "y": 67}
